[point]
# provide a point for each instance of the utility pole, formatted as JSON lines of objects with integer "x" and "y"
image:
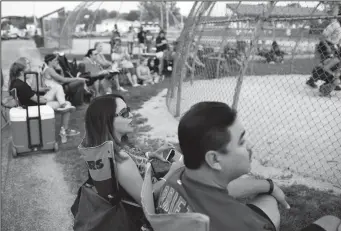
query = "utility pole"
{"x": 167, "y": 16}
{"x": 161, "y": 18}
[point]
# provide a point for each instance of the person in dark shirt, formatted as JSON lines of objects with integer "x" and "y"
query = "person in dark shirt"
{"x": 141, "y": 36}
{"x": 215, "y": 156}
{"x": 161, "y": 47}
{"x": 27, "y": 97}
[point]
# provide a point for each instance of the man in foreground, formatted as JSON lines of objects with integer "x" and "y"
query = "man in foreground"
{"x": 215, "y": 156}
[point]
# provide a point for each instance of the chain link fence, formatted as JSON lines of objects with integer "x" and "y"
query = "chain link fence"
{"x": 258, "y": 58}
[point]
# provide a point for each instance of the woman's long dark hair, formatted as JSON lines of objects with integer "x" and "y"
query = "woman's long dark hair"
{"x": 15, "y": 72}
{"x": 99, "y": 123}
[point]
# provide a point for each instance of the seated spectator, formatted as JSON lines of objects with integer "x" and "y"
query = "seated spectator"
{"x": 107, "y": 122}
{"x": 121, "y": 59}
{"x": 53, "y": 80}
{"x": 168, "y": 57}
{"x": 50, "y": 94}
{"x": 143, "y": 72}
{"x": 96, "y": 72}
{"x": 105, "y": 64}
{"x": 27, "y": 97}
{"x": 153, "y": 65}
{"x": 215, "y": 155}
{"x": 331, "y": 36}
{"x": 329, "y": 72}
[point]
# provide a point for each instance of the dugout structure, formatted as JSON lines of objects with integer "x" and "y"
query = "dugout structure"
{"x": 223, "y": 58}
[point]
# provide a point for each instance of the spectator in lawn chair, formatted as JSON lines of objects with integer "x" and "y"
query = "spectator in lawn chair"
{"x": 121, "y": 60}
{"x": 149, "y": 41}
{"x": 101, "y": 77}
{"x": 74, "y": 92}
{"x": 153, "y": 65}
{"x": 72, "y": 86}
{"x": 328, "y": 71}
{"x": 169, "y": 56}
{"x": 215, "y": 154}
{"x": 331, "y": 35}
{"x": 108, "y": 121}
{"x": 27, "y": 97}
{"x": 51, "y": 94}
{"x": 105, "y": 64}
{"x": 143, "y": 72}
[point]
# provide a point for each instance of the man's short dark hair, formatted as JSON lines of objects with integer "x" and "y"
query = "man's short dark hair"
{"x": 203, "y": 128}
{"x": 89, "y": 53}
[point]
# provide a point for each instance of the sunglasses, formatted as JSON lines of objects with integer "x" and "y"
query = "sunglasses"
{"x": 124, "y": 112}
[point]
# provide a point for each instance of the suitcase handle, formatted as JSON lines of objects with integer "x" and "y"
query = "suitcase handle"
{"x": 39, "y": 114}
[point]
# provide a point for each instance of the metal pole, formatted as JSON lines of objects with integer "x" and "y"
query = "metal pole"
{"x": 223, "y": 42}
{"x": 92, "y": 24}
{"x": 298, "y": 39}
{"x": 188, "y": 36}
{"x": 161, "y": 14}
{"x": 196, "y": 43}
{"x": 250, "y": 53}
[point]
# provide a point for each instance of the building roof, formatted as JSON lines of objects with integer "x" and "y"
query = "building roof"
{"x": 249, "y": 10}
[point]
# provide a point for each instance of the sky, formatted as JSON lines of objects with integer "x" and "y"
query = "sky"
{"x": 40, "y": 8}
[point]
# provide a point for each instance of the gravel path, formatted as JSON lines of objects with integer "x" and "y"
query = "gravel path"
{"x": 34, "y": 193}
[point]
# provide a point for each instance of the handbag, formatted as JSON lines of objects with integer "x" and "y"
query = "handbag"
{"x": 94, "y": 213}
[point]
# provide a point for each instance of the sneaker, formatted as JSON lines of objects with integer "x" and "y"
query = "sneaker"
{"x": 71, "y": 132}
{"x": 311, "y": 83}
{"x": 122, "y": 89}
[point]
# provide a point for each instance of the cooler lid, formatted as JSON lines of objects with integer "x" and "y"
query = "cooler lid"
{"x": 19, "y": 114}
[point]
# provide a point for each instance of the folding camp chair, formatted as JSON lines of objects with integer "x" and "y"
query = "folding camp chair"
{"x": 169, "y": 222}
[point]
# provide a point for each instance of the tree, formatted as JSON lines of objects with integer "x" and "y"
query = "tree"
{"x": 133, "y": 15}
{"x": 151, "y": 11}
{"x": 294, "y": 5}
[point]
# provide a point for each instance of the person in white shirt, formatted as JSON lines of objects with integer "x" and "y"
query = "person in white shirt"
{"x": 130, "y": 39}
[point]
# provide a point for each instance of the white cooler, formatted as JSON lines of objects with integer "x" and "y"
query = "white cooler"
{"x": 20, "y": 133}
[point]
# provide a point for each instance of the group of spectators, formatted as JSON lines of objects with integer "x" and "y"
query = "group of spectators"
{"x": 329, "y": 54}
{"x": 51, "y": 89}
{"x": 208, "y": 181}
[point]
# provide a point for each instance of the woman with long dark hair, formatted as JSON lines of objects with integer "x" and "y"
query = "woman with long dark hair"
{"x": 107, "y": 122}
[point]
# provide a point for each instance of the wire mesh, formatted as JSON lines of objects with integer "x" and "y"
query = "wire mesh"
{"x": 267, "y": 60}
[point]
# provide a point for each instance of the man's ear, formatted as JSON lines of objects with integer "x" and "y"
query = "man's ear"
{"x": 212, "y": 160}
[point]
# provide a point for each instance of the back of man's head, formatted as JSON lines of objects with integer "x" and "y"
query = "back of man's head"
{"x": 204, "y": 128}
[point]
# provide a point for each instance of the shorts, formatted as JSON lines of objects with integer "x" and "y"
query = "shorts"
{"x": 311, "y": 227}
{"x": 128, "y": 70}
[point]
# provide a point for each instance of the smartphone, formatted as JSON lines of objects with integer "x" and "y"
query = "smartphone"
{"x": 173, "y": 156}
{"x": 170, "y": 155}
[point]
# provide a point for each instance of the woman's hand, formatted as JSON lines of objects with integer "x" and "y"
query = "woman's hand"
{"x": 158, "y": 154}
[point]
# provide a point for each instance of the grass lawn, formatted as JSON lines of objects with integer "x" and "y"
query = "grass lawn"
{"x": 307, "y": 204}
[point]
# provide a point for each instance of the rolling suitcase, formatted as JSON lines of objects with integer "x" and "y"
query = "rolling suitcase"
{"x": 33, "y": 127}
